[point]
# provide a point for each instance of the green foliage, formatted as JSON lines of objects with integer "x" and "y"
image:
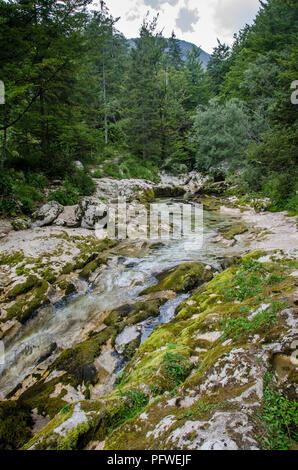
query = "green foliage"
{"x": 82, "y": 182}
{"x": 134, "y": 403}
{"x": 279, "y": 417}
{"x": 239, "y": 327}
{"x": 79, "y": 183}
{"x": 16, "y": 195}
{"x": 72, "y": 440}
{"x": 176, "y": 368}
{"x": 97, "y": 174}
{"x": 221, "y": 134}
{"x": 67, "y": 196}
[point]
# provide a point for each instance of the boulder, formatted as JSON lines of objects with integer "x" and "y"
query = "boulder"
{"x": 47, "y": 214}
{"x": 68, "y": 217}
{"x": 182, "y": 278}
{"x": 89, "y": 211}
{"x": 79, "y": 165}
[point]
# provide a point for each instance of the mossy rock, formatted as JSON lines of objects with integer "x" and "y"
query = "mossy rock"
{"x": 235, "y": 229}
{"x": 11, "y": 259}
{"x": 49, "y": 275}
{"x": 27, "y": 304}
{"x": 77, "y": 361}
{"x": 169, "y": 191}
{"x": 91, "y": 267}
{"x": 15, "y": 424}
{"x": 131, "y": 348}
{"x": 144, "y": 310}
{"x": 67, "y": 286}
{"x": 22, "y": 288}
{"x": 254, "y": 255}
{"x": 210, "y": 203}
{"x": 68, "y": 268}
{"x": 39, "y": 396}
{"x": 147, "y": 195}
{"x": 182, "y": 278}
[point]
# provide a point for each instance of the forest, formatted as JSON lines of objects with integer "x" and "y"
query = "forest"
{"x": 75, "y": 90}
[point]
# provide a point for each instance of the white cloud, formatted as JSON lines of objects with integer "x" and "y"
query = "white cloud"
{"x": 231, "y": 15}
{"x": 217, "y": 18}
{"x": 187, "y": 18}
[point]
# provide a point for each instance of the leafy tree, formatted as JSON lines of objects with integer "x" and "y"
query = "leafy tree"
{"x": 221, "y": 134}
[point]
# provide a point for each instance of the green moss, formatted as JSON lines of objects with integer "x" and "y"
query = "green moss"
{"x": 11, "y": 259}
{"x": 15, "y": 424}
{"x": 22, "y": 288}
{"x": 67, "y": 286}
{"x": 182, "y": 278}
{"x": 47, "y": 438}
{"x": 72, "y": 440}
{"x": 91, "y": 267}
{"x": 254, "y": 255}
{"x": 25, "y": 306}
{"x": 143, "y": 310}
{"x": 78, "y": 361}
{"x": 147, "y": 195}
{"x": 49, "y": 275}
{"x": 235, "y": 229}
{"x": 68, "y": 268}
{"x": 38, "y": 396}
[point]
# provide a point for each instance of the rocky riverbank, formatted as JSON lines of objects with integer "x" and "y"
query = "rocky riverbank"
{"x": 191, "y": 357}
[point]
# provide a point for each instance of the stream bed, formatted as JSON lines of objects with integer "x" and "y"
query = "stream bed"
{"x": 122, "y": 280}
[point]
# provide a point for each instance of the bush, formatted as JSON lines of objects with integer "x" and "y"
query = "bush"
{"x": 82, "y": 182}
{"x": 67, "y": 196}
{"x": 16, "y": 195}
{"x": 279, "y": 417}
{"x": 97, "y": 174}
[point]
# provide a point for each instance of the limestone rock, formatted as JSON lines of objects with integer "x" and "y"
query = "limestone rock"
{"x": 68, "y": 217}
{"x": 47, "y": 214}
{"x": 89, "y": 211}
{"x": 79, "y": 165}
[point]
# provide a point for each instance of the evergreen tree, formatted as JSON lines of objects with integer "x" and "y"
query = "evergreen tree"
{"x": 144, "y": 95}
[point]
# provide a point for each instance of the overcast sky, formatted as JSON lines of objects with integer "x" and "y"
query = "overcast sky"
{"x": 197, "y": 21}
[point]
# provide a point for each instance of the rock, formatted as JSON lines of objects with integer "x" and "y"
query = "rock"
{"x": 261, "y": 205}
{"x": 5, "y": 227}
{"x": 89, "y": 211}
{"x": 182, "y": 278}
{"x": 68, "y": 217}
{"x": 45, "y": 356}
{"x": 79, "y": 165}
{"x": 230, "y": 232}
{"x": 20, "y": 224}
{"x": 213, "y": 188}
{"x": 47, "y": 214}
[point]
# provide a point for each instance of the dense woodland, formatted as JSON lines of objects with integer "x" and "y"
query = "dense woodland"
{"x": 76, "y": 90}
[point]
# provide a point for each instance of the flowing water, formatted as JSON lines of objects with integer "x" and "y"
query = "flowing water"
{"x": 120, "y": 282}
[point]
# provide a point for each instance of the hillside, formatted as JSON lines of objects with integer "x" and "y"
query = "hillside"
{"x": 185, "y": 48}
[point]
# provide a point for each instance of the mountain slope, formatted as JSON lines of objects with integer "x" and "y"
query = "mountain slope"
{"x": 185, "y": 48}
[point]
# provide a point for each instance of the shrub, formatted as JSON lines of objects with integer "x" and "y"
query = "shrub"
{"x": 279, "y": 417}
{"x": 67, "y": 196}
{"x": 82, "y": 182}
{"x": 16, "y": 195}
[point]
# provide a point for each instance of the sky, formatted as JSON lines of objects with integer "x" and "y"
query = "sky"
{"x": 198, "y": 21}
